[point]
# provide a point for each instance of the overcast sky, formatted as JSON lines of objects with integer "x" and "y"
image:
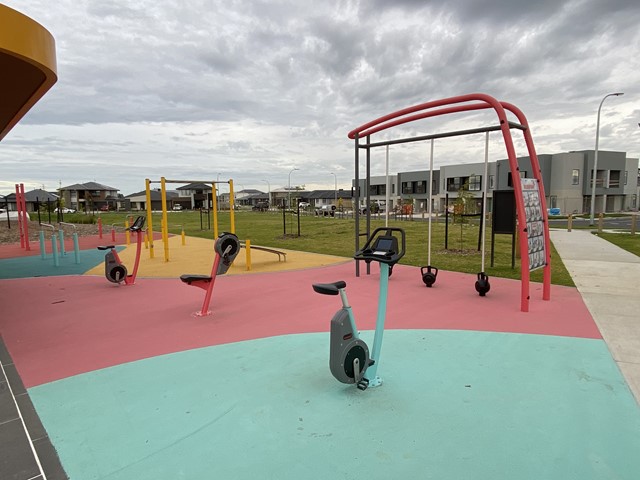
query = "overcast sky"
{"x": 250, "y": 90}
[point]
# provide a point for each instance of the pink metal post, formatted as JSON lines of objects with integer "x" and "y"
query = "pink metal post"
{"x": 25, "y": 222}
{"x": 20, "y": 229}
{"x": 207, "y": 298}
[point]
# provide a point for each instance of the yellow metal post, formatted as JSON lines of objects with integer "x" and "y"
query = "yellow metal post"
{"x": 569, "y": 222}
{"x": 184, "y": 241}
{"x": 149, "y": 217}
{"x": 232, "y": 207}
{"x": 214, "y": 207}
{"x": 248, "y": 250}
{"x": 127, "y": 233}
{"x": 165, "y": 220}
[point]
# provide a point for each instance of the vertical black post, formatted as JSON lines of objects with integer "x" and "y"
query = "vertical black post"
{"x": 38, "y": 210}
{"x": 356, "y": 201}
{"x": 446, "y": 221}
{"x": 49, "y": 209}
{"x": 284, "y": 220}
{"x": 513, "y": 250}
{"x": 298, "y": 202}
{"x": 493, "y": 241}
{"x": 368, "y": 201}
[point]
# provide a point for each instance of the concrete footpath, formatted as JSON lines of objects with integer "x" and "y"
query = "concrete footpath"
{"x": 608, "y": 278}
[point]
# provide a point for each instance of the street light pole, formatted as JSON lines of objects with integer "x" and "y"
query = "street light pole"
{"x": 289, "y": 187}
{"x": 595, "y": 160}
{"x": 335, "y": 190}
{"x": 269, "y": 192}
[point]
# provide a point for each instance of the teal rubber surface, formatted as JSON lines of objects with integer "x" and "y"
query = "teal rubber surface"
{"x": 453, "y": 405}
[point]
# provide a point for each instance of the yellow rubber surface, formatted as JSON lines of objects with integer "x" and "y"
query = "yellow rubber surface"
{"x": 196, "y": 257}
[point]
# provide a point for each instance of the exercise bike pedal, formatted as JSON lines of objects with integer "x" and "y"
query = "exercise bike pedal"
{"x": 363, "y": 384}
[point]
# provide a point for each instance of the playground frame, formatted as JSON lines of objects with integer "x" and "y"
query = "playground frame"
{"x": 165, "y": 221}
{"x": 458, "y": 104}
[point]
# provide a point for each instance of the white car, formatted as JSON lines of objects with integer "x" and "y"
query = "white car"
{"x": 303, "y": 204}
{"x": 177, "y": 207}
{"x": 65, "y": 210}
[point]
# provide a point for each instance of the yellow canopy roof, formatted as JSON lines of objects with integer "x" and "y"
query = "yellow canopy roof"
{"x": 27, "y": 66}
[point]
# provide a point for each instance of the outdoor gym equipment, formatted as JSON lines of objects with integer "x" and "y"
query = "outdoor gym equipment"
{"x": 165, "y": 221}
{"x": 482, "y": 283}
{"x": 349, "y": 359}
{"x": 226, "y": 247}
{"x": 114, "y": 269}
{"x": 429, "y": 273}
{"x": 472, "y": 102}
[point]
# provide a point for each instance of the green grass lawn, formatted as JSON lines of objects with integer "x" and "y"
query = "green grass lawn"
{"x": 335, "y": 236}
{"x": 631, "y": 243}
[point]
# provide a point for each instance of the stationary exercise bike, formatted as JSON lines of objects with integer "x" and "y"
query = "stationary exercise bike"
{"x": 114, "y": 269}
{"x": 349, "y": 358}
{"x": 226, "y": 247}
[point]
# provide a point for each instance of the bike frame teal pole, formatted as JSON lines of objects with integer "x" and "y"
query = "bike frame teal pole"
{"x": 371, "y": 374}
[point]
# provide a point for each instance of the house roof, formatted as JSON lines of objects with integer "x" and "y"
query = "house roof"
{"x": 196, "y": 186}
{"x": 33, "y": 195}
{"x": 328, "y": 194}
{"x": 89, "y": 186}
{"x": 156, "y": 195}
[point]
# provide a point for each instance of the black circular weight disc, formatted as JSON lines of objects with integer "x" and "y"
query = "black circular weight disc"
{"x": 354, "y": 352}
{"x": 117, "y": 274}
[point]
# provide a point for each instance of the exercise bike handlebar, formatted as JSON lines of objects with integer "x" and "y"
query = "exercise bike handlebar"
{"x": 383, "y": 248}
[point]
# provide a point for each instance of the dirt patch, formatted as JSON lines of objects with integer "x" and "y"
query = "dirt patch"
{"x": 12, "y": 235}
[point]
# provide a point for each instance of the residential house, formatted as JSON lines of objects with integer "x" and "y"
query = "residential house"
{"x": 89, "y": 196}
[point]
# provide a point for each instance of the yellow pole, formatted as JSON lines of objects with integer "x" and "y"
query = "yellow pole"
{"x": 184, "y": 242}
{"x": 146, "y": 239}
{"x": 231, "y": 207}
{"x": 127, "y": 234}
{"x": 214, "y": 199}
{"x": 248, "y": 249}
{"x": 165, "y": 220}
{"x": 149, "y": 217}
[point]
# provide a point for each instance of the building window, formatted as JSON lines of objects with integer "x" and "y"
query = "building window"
{"x": 553, "y": 201}
{"x": 626, "y": 177}
{"x": 492, "y": 179}
{"x": 523, "y": 174}
{"x": 575, "y": 177}
{"x": 475, "y": 183}
{"x": 614, "y": 179}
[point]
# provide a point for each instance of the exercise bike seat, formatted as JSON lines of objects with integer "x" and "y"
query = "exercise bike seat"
{"x": 106, "y": 247}
{"x": 189, "y": 279}
{"x": 329, "y": 288}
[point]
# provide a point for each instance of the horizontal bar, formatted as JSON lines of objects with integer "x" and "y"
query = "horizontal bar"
{"x": 189, "y": 181}
{"x": 455, "y": 133}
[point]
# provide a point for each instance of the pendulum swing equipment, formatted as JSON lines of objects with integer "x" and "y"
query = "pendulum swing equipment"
{"x": 429, "y": 273}
{"x": 482, "y": 283}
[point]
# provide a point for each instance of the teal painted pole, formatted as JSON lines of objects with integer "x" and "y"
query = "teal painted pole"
{"x": 374, "y": 380}
{"x": 61, "y": 234}
{"x": 54, "y": 250}
{"x": 43, "y": 252}
{"x": 76, "y": 248}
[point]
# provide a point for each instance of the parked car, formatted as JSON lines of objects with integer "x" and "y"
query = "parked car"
{"x": 177, "y": 207}
{"x": 304, "y": 204}
{"x": 65, "y": 210}
{"x": 105, "y": 208}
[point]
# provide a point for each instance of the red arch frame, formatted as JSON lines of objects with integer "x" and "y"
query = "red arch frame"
{"x": 481, "y": 101}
